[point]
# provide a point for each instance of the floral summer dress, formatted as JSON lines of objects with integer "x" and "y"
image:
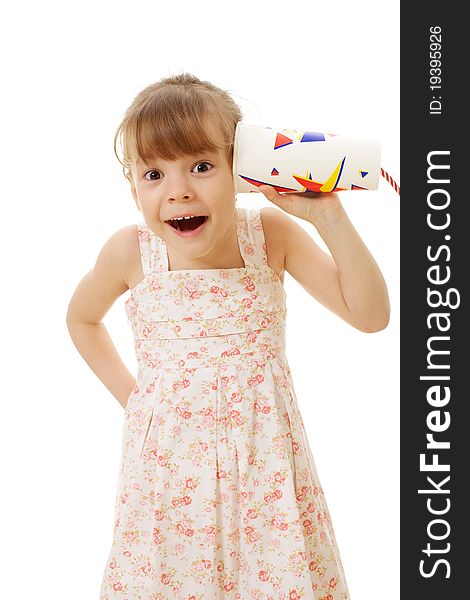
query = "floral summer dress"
{"x": 218, "y": 495}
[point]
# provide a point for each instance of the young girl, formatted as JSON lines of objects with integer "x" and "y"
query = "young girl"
{"x": 218, "y": 495}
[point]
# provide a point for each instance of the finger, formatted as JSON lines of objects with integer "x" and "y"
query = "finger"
{"x": 268, "y": 191}
{"x": 272, "y": 194}
{"x": 281, "y": 200}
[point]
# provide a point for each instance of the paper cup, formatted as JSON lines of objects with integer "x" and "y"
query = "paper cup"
{"x": 303, "y": 161}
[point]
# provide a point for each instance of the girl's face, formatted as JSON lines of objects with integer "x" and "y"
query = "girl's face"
{"x": 199, "y": 185}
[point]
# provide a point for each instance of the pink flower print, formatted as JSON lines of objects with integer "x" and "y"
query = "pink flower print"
{"x": 250, "y": 249}
{"x": 312, "y": 565}
{"x": 146, "y": 331}
{"x": 165, "y": 578}
{"x": 237, "y": 417}
{"x": 157, "y": 538}
{"x": 181, "y": 385}
{"x": 127, "y": 553}
{"x": 218, "y": 291}
{"x": 257, "y": 379}
{"x": 189, "y": 532}
{"x": 193, "y": 355}
{"x": 278, "y": 477}
{"x": 190, "y": 483}
{"x": 252, "y": 337}
{"x": 159, "y": 515}
{"x": 265, "y": 322}
{"x": 249, "y": 286}
{"x": 150, "y": 388}
{"x": 283, "y": 526}
{"x": 186, "y": 500}
{"x": 162, "y": 461}
{"x": 233, "y": 352}
{"x": 112, "y": 564}
{"x": 251, "y": 533}
{"x": 117, "y": 587}
{"x": 308, "y": 526}
{"x": 263, "y": 576}
{"x": 295, "y": 446}
{"x": 277, "y": 494}
{"x": 236, "y": 397}
{"x": 183, "y": 413}
{"x": 145, "y": 569}
{"x": 228, "y": 586}
{"x": 332, "y": 583}
{"x": 224, "y": 274}
{"x": 266, "y": 410}
{"x": 247, "y": 303}
{"x": 191, "y": 290}
{"x": 293, "y": 595}
{"x": 178, "y": 548}
{"x": 252, "y": 513}
{"x": 311, "y": 507}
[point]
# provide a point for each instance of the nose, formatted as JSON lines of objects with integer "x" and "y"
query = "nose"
{"x": 179, "y": 188}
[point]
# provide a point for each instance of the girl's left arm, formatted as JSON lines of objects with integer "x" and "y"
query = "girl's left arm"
{"x": 349, "y": 282}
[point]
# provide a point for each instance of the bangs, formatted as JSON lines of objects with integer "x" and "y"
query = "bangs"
{"x": 171, "y": 126}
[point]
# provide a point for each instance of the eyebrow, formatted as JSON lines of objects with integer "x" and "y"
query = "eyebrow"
{"x": 208, "y": 153}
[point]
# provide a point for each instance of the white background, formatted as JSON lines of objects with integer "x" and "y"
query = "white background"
{"x": 70, "y": 71}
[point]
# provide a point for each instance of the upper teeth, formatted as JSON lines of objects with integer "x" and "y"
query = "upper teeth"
{"x": 181, "y": 218}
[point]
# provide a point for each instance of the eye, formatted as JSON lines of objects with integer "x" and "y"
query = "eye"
{"x": 152, "y": 173}
{"x": 203, "y": 163}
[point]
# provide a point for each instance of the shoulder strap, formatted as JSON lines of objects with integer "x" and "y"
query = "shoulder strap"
{"x": 251, "y": 236}
{"x": 151, "y": 250}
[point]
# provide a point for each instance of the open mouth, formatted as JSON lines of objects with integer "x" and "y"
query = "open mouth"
{"x": 187, "y": 224}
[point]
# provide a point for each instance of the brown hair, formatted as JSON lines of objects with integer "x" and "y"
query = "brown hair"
{"x": 169, "y": 119}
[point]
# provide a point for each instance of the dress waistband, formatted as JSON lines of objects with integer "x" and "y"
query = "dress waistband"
{"x": 149, "y": 329}
{"x": 247, "y": 350}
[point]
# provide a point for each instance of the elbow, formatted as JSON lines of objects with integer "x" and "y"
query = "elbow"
{"x": 379, "y": 323}
{"x": 372, "y": 321}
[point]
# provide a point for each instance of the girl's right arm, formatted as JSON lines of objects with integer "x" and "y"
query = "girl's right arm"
{"x": 93, "y": 297}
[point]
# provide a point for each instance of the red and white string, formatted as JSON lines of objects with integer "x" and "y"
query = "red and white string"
{"x": 391, "y": 181}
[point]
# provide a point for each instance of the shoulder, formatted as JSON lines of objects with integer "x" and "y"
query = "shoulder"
{"x": 123, "y": 249}
{"x": 107, "y": 280}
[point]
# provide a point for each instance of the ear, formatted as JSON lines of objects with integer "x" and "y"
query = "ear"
{"x": 134, "y": 191}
